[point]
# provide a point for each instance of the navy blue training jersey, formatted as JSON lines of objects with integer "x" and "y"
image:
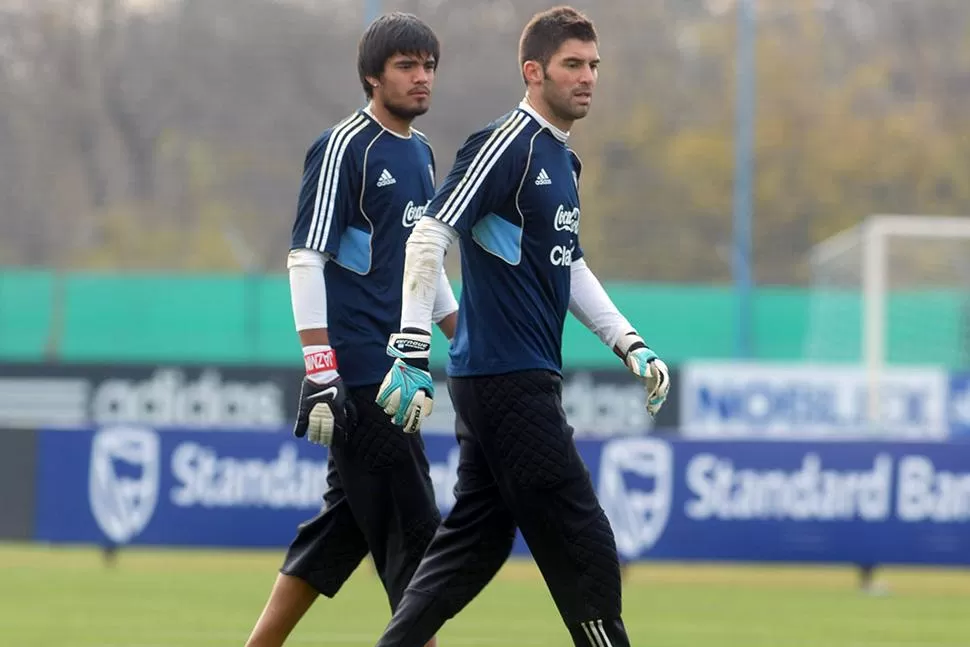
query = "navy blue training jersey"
{"x": 363, "y": 190}
{"x": 513, "y": 197}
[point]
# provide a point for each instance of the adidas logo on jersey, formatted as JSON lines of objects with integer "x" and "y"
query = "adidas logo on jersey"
{"x": 542, "y": 178}
{"x": 386, "y": 179}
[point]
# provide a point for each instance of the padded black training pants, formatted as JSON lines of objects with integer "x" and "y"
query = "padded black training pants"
{"x": 518, "y": 467}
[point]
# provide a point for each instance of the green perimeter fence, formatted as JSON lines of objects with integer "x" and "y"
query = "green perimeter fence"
{"x": 246, "y": 319}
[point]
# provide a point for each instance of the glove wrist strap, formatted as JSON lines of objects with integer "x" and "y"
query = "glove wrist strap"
{"x": 628, "y": 342}
{"x": 412, "y": 346}
{"x": 321, "y": 363}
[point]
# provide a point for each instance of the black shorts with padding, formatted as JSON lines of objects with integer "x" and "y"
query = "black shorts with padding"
{"x": 379, "y": 499}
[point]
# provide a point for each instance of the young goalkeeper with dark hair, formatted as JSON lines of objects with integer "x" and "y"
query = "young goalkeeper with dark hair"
{"x": 366, "y": 182}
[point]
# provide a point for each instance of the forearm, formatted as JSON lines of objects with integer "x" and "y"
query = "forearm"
{"x": 448, "y": 325}
{"x": 308, "y": 291}
{"x": 445, "y": 312}
{"x": 314, "y": 337}
{"x": 308, "y": 296}
{"x": 592, "y": 306}
{"x": 423, "y": 264}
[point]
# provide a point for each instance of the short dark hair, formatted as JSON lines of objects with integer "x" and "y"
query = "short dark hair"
{"x": 390, "y": 34}
{"x": 549, "y": 29}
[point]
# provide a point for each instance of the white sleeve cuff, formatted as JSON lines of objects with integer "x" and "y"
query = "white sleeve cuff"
{"x": 308, "y": 289}
{"x": 423, "y": 265}
{"x": 592, "y": 306}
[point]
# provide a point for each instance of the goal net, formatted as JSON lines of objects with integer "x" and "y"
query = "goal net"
{"x": 891, "y": 296}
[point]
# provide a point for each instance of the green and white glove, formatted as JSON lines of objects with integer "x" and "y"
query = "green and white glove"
{"x": 645, "y": 364}
{"x": 407, "y": 392}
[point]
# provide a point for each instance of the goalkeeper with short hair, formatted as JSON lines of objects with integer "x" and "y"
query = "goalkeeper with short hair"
{"x": 366, "y": 182}
{"x": 512, "y": 199}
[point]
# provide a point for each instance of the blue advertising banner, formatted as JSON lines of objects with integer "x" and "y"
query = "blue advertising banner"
{"x": 959, "y": 406}
{"x": 853, "y": 502}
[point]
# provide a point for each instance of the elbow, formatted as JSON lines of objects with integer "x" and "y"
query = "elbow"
{"x": 305, "y": 258}
{"x": 423, "y": 264}
{"x": 426, "y": 248}
{"x": 432, "y": 232}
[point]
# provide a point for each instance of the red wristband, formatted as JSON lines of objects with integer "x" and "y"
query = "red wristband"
{"x": 319, "y": 359}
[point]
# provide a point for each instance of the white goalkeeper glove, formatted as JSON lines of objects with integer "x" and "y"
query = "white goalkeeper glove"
{"x": 645, "y": 364}
{"x": 407, "y": 392}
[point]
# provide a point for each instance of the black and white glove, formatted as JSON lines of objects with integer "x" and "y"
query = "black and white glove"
{"x": 645, "y": 364}
{"x": 326, "y": 413}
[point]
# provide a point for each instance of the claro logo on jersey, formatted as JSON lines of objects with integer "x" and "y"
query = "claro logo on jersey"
{"x": 123, "y": 480}
{"x": 636, "y": 488}
{"x": 413, "y": 213}
{"x": 561, "y": 255}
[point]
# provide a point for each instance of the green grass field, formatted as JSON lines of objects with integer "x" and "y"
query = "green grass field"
{"x": 66, "y": 597}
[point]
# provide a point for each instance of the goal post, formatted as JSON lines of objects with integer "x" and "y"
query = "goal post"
{"x": 892, "y": 290}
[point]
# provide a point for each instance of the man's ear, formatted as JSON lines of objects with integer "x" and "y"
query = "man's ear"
{"x": 532, "y": 72}
{"x": 373, "y": 81}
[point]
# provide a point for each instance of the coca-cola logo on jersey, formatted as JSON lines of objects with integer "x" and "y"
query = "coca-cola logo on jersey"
{"x": 413, "y": 213}
{"x": 567, "y": 220}
{"x": 169, "y": 398}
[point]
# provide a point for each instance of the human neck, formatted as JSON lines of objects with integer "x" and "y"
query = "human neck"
{"x": 540, "y": 110}
{"x": 389, "y": 120}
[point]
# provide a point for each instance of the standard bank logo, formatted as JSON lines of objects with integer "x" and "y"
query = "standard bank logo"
{"x": 123, "y": 481}
{"x": 636, "y": 491}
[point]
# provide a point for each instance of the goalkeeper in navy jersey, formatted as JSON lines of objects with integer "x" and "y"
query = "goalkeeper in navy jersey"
{"x": 366, "y": 182}
{"x": 512, "y": 201}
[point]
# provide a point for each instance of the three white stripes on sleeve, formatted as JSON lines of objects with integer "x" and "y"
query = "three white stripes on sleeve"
{"x": 327, "y": 185}
{"x": 340, "y": 138}
{"x": 490, "y": 152}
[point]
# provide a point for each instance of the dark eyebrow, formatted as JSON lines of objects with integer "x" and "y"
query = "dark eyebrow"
{"x": 577, "y": 59}
{"x": 414, "y": 58}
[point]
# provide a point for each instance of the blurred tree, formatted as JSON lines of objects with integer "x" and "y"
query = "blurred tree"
{"x": 174, "y": 137}
{"x": 836, "y": 141}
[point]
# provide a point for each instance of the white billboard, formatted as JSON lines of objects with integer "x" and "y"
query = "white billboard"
{"x": 798, "y": 401}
